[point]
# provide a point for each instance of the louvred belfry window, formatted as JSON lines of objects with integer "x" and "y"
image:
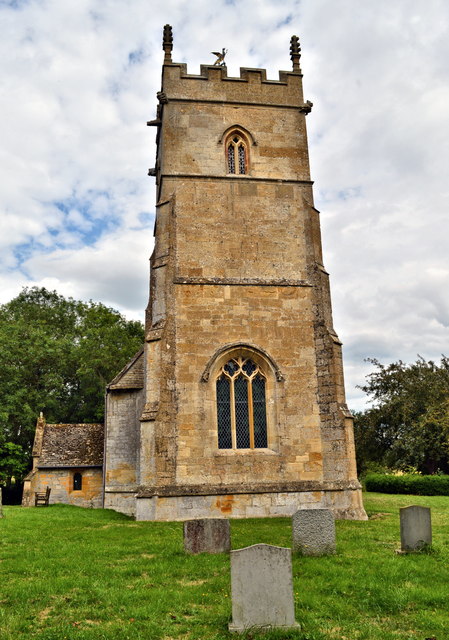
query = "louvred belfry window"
{"x": 241, "y": 405}
{"x": 237, "y": 155}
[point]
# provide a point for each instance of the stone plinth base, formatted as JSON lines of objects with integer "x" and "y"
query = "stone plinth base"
{"x": 345, "y": 504}
{"x": 121, "y": 501}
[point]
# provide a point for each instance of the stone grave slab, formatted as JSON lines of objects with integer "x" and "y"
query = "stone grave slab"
{"x": 313, "y": 532}
{"x": 416, "y": 527}
{"x": 262, "y": 588}
{"x": 209, "y": 535}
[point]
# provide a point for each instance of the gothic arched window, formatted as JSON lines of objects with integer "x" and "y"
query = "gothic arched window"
{"x": 241, "y": 405}
{"x": 237, "y": 154}
{"x": 77, "y": 482}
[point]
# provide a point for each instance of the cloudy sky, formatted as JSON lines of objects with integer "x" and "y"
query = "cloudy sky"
{"x": 78, "y": 83}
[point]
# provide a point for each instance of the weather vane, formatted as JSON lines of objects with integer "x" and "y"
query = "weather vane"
{"x": 220, "y": 57}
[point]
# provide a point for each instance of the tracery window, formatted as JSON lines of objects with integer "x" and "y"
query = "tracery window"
{"x": 241, "y": 405}
{"x": 237, "y": 154}
{"x": 77, "y": 482}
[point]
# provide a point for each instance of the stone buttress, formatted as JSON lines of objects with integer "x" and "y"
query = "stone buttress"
{"x": 241, "y": 399}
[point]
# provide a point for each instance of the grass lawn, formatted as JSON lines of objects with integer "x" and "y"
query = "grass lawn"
{"x": 82, "y": 574}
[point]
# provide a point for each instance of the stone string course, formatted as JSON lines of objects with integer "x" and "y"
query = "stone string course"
{"x": 237, "y": 260}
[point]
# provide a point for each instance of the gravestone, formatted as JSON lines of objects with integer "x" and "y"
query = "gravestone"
{"x": 211, "y": 535}
{"x": 313, "y": 532}
{"x": 262, "y": 588}
{"x": 416, "y": 527}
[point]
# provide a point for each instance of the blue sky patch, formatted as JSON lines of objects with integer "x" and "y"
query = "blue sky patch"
{"x": 136, "y": 57}
{"x": 13, "y": 4}
{"x": 350, "y": 192}
{"x": 284, "y": 22}
{"x": 24, "y": 251}
{"x": 146, "y": 218}
{"x": 83, "y": 218}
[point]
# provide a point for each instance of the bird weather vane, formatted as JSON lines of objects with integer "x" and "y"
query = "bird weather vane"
{"x": 220, "y": 57}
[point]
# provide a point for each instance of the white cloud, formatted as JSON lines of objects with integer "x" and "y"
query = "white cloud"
{"x": 79, "y": 79}
{"x": 113, "y": 271}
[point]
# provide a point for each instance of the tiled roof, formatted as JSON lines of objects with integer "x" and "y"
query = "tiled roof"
{"x": 70, "y": 445}
{"x": 131, "y": 376}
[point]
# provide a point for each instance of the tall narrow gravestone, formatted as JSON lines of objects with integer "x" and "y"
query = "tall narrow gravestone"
{"x": 211, "y": 535}
{"x": 262, "y": 588}
{"x": 313, "y": 532}
{"x": 416, "y": 527}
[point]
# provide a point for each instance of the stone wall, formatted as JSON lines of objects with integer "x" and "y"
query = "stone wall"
{"x": 122, "y": 446}
{"x": 226, "y": 315}
{"x": 345, "y": 504}
{"x": 59, "y": 452}
{"x": 237, "y": 270}
{"x": 61, "y": 483}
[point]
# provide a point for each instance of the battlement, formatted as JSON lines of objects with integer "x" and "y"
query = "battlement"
{"x": 214, "y": 84}
{"x": 247, "y": 74}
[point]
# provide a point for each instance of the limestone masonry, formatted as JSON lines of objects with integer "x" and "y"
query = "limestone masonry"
{"x": 68, "y": 458}
{"x": 235, "y": 407}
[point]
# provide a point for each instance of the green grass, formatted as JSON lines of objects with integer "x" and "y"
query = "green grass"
{"x": 81, "y": 574}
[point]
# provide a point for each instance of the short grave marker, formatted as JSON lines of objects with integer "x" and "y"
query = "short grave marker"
{"x": 262, "y": 588}
{"x": 313, "y": 532}
{"x": 210, "y": 535}
{"x": 416, "y": 527}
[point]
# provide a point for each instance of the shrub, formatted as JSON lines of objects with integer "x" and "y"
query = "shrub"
{"x": 408, "y": 484}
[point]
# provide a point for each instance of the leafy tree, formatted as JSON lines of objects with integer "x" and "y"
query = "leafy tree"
{"x": 13, "y": 461}
{"x": 408, "y": 426}
{"x": 57, "y": 355}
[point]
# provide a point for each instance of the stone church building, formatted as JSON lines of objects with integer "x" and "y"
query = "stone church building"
{"x": 67, "y": 458}
{"x": 235, "y": 406}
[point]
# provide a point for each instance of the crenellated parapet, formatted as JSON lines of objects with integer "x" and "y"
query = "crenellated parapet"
{"x": 247, "y": 74}
{"x": 214, "y": 85}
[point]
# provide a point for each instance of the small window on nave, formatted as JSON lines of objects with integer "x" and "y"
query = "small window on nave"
{"x": 77, "y": 482}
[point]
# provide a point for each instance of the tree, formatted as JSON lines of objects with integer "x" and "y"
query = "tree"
{"x": 13, "y": 461}
{"x": 57, "y": 356}
{"x": 408, "y": 426}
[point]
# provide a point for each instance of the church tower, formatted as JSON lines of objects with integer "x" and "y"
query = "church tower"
{"x": 236, "y": 406}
